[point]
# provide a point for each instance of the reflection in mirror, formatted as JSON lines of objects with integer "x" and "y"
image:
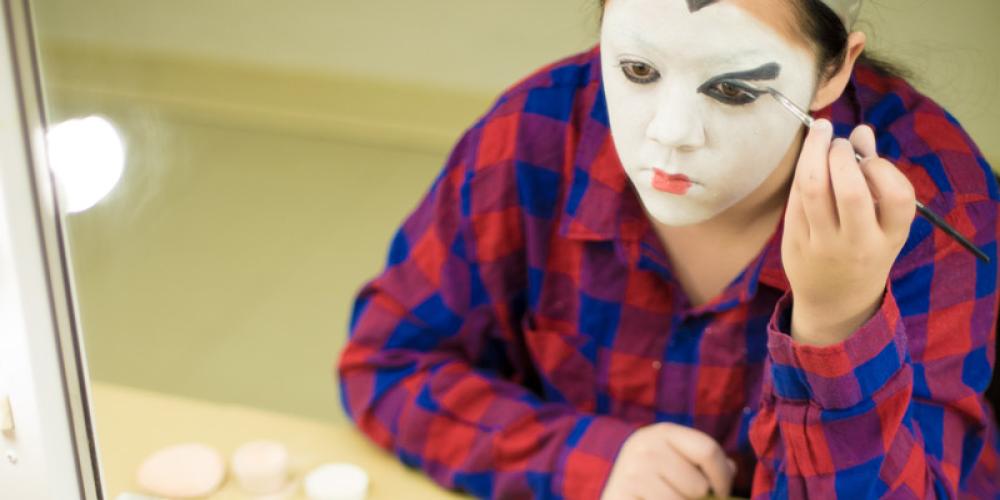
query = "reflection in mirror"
{"x": 86, "y": 156}
{"x": 235, "y": 174}
{"x": 267, "y": 156}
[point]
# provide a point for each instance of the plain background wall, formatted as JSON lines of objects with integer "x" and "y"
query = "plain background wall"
{"x": 482, "y": 46}
{"x": 224, "y": 264}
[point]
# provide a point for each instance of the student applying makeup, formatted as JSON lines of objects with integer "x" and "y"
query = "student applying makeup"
{"x": 684, "y": 129}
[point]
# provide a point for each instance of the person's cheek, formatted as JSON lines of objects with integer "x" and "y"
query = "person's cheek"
{"x": 750, "y": 148}
{"x": 628, "y": 129}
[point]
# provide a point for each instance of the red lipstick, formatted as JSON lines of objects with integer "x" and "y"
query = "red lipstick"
{"x": 674, "y": 184}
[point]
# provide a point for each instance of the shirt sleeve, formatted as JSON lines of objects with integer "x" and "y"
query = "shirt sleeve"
{"x": 434, "y": 368}
{"x": 896, "y": 409}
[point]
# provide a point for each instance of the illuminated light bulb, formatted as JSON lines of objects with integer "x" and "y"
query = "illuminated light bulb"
{"x": 86, "y": 156}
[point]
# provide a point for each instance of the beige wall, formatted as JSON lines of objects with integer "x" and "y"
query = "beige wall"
{"x": 953, "y": 49}
{"x": 481, "y": 46}
{"x": 225, "y": 264}
{"x": 271, "y": 153}
{"x": 470, "y": 45}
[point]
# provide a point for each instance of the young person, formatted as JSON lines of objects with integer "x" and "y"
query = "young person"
{"x": 635, "y": 279}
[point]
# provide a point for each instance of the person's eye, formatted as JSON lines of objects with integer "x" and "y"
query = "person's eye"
{"x": 732, "y": 93}
{"x": 639, "y": 72}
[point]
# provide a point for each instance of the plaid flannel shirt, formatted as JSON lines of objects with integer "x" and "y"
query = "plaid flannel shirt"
{"x": 527, "y": 321}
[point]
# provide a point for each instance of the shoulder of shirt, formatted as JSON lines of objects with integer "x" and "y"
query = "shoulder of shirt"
{"x": 529, "y": 121}
{"x": 924, "y": 140}
{"x": 569, "y": 74}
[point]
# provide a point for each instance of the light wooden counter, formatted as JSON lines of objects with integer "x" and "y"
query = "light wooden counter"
{"x": 132, "y": 423}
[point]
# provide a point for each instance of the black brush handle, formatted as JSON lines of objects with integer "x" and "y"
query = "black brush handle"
{"x": 944, "y": 226}
{"x": 939, "y": 222}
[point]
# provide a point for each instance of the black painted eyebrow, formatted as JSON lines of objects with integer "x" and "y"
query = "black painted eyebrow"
{"x": 769, "y": 71}
{"x": 696, "y": 5}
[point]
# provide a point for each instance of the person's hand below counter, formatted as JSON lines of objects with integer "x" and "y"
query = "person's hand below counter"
{"x": 669, "y": 461}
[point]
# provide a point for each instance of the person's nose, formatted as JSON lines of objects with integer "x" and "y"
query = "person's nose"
{"x": 677, "y": 122}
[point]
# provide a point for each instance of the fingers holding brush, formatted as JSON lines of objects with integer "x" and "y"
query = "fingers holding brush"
{"x": 812, "y": 180}
{"x": 854, "y": 199}
{"x": 896, "y": 198}
{"x": 838, "y": 260}
{"x": 809, "y": 203}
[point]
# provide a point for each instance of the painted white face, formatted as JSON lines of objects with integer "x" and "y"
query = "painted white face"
{"x": 693, "y": 144}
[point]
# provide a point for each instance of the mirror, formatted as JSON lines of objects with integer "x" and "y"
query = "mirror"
{"x": 267, "y": 155}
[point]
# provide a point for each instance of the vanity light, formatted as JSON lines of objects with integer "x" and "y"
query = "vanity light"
{"x": 86, "y": 156}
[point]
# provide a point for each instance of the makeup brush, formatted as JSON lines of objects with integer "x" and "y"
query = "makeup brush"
{"x": 926, "y": 212}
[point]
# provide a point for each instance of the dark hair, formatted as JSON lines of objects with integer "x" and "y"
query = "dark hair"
{"x": 828, "y": 35}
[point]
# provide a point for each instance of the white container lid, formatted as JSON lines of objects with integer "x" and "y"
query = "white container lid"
{"x": 261, "y": 467}
{"x": 189, "y": 470}
{"x": 337, "y": 481}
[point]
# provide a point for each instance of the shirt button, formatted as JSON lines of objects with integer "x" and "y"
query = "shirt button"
{"x": 657, "y": 365}
{"x": 747, "y": 410}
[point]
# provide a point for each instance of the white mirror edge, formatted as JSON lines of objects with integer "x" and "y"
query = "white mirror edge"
{"x": 51, "y": 453}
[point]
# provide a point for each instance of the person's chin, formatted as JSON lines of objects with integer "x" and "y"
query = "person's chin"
{"x": 676, "y": 214}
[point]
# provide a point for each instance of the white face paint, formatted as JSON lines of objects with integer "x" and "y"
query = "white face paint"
{"x": 678, "y": 119}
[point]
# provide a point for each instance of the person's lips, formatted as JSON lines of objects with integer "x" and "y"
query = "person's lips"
{"x": 670, "y": 183}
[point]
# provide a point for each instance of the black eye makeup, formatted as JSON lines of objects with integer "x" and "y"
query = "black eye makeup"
{"x": 730, "y": 88}
{"x": 727, "y": 88}
{"x": 732, "y": 92}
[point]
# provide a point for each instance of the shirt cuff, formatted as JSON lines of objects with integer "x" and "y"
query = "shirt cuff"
{"x": 588, "y": 455}
{"x": 840, "y": 375}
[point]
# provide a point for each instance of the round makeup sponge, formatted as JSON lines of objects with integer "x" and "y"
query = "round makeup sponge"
{"x": 189, "y": 470}
{"x": 261, "y": 467}
{"x": 337, "y": 481}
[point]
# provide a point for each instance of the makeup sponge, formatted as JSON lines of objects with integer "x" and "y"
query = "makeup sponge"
{"x": 261, "y": 467}
{"x": 189, "y": 470}
{"x": 337, "y": 481}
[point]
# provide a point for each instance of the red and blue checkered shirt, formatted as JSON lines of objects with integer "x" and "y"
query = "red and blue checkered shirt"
{"x": 527, "y": 321}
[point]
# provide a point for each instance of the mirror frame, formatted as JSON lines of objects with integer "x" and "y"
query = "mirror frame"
{"x": 52, "y": 450}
